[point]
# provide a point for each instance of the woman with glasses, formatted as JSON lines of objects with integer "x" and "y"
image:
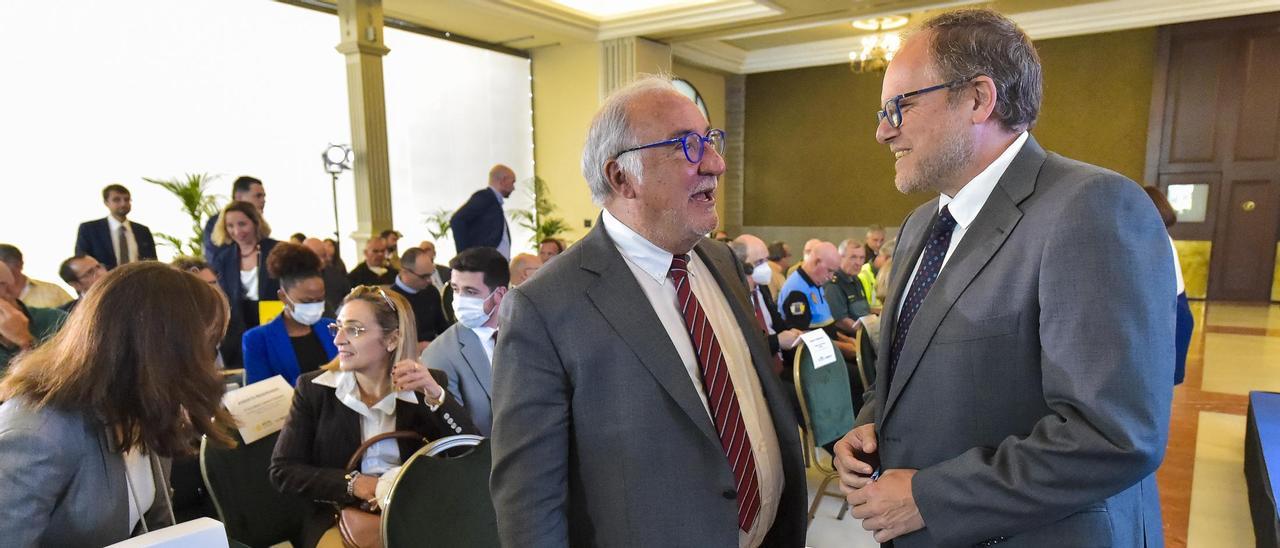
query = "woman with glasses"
{"x": 241, "y": 269}
{"x": 373, "y": 387}
{"x": 298, "y": 340}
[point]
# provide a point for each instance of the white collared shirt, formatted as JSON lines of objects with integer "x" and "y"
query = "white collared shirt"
{"x": 379, "y": 419}
{"x": 967, "y": 203}
{"x": 404, "y": 287}
{"x": 757, "y": 298}
{"x": 650, "y": 265}
{"x": 115, "y": 225}
{"x": 486, "y": 339}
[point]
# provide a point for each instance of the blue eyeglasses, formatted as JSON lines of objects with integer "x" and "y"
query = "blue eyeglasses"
{"x": 694, "y": 145}
{"x": 893, "y": 110}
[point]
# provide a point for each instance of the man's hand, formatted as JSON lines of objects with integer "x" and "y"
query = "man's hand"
{"x": 787, "y": 339}
{"x": 855, "y": 472}
{"x": 15, "y": 330}
{"x": 886, "y": 506}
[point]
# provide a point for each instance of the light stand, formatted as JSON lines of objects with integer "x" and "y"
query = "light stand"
{"x": 337, "y": 158}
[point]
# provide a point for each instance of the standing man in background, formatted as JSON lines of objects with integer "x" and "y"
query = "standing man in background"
{"x": 115, "y": 240}
{"x": 480, "y": 222}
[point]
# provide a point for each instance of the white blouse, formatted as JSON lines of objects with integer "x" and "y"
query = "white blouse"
{"x": 249, "y": 283}
{"x": 140, "y": 484}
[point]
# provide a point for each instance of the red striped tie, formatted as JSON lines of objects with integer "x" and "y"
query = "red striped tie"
{"x": 720, "y": 395}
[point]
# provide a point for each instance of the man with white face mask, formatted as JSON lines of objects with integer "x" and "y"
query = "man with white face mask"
{"x": 753, "y": 252}
{"x": 480, "y": 278}
{"x": 297, "y": 341}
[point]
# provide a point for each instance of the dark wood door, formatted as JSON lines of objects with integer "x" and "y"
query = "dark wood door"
{"x": 1216, "y": 121}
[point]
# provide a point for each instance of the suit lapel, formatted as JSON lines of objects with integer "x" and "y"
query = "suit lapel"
{"x": 104, "y": 242}
{"x": 984, "y": 237}
{"x": 280, "y": 348}
{"x": 477, "y": 360}
{"x": 897, "y": 279}
{"x": 622, "y": 302}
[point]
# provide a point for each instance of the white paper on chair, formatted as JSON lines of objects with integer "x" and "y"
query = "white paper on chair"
{"x": 260, "y": 408}
{"x": 820, "y": 347}
{"x": 197, "y": 533}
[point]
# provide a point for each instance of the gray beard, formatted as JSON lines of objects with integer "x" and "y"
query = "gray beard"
{"x": 953, "y": 156}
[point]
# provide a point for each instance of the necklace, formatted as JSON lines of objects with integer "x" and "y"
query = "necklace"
{"x": 251, "y": 252}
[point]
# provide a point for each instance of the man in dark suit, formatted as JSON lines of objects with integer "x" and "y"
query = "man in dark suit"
{"x": 244, "y": 189}
{"x": 414, "y": 282}
{"x": 115, "y": 240}
{"x": 373, "y": 270}
{"x": 612, "y": 424}
{"x": 480, "y": 222}
{"x": 1008, "y": 410}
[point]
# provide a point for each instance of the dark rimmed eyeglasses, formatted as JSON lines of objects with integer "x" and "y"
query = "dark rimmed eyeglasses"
{"x": 694, "y": 145}
{"x": 892, "y": 110}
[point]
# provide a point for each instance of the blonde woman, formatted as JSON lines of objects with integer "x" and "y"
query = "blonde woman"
{"x": 374, "y": 386}
{"x": 240, "y": 262}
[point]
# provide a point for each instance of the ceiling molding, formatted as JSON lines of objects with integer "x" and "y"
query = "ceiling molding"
{"x": 821, "y": 19}
{"x": 1130, "y": 14}
{"x": 711, "y": 53}
{"x": 696, "y": 16}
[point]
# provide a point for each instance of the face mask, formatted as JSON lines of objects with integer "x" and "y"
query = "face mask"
{"x": 306, "y": 313}
{"x": 470, "y": 310}
{"x": 762, "y": 274}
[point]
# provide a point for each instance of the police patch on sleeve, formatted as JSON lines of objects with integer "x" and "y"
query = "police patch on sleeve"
{"x": 797, "y": 308}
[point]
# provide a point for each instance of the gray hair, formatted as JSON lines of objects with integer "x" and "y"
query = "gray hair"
{"x": 611, "y": 132}
{"x": 974, "y": 42}
{"x": 847, "y": 243}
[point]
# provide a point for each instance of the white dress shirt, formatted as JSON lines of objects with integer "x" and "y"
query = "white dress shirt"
{"x": 486, "y": 339}
{"x": 757, "y": 297}
{"x": 115, "y": 237}
{"x": 249, "y": 282}
{"x": 650, "y": 265}
{"x": 140, "y": 484}
{"x": 504, "y": 245}
{"x": 966, "y": 205}
{"x": 379, "y": 419}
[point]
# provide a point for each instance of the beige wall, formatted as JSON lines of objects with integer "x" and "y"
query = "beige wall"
{"x": 565, "y": 96}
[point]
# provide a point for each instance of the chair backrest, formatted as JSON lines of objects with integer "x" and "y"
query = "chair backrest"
{"x": 441, "y": 497}
{"x": 239, "y": 483}
{"x": 824, "y": 394}
{"x": 866, "y": 357}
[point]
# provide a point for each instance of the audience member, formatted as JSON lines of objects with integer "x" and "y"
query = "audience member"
{"x": 721, "y": 236}
{"x": 373, "y": 270}
{"x": 244, "y": 189}
{"x": 548, "y": 248}
{"x": 393, "y": 251}
{"x": 373, "y": 387}
{"x": 846, "y": 296}
{"x": 333, "y": 253}
{"x": 297, "y": 341}
{"x": 114, "y": 239}
{"x": 880, "y": 280}
{"x": 240, "y": 262}
{"x": 480, "y": 222}
{"x": 440, "y": 274}
{"x": 1186, "y": 323}
{"x": 751, "y": 251}
{"x": 596, "y": 370}
{"x": 81, "y": 273}
{"x": 31, "y": 292}
{"x": 22, "y": 326}
{"x": 523, "y": 267}
{"x": 200, "y": 269}
{"x": 298, "y": 237}
{"x": 91, "y": 419}
{"x": 336, "y": 284}
{"x": 802, "y": 302}
{"x": 809, "y": 246}
{"x": 875, "y": 239}
{"x": 414, "y": 282}
{"x": 465, "y": 350}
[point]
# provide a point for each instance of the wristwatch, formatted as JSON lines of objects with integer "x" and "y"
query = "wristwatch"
{"x": 351, "y": 483}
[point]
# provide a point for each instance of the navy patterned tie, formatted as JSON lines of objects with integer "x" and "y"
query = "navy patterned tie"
{"x": 926, "y": 273}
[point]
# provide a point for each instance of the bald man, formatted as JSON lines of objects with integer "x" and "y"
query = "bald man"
{"x": 523, "y": 267}
{"x": 480, "y": 222}
{"x": 801, "y": 301}
{"x": 22, "y": 326}
{"x": 755, "y": 256}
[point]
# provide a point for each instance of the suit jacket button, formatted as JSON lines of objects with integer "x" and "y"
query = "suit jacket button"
{"x": 730, "y": 494}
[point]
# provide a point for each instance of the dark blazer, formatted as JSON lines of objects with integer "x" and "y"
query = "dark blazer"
{"x": 599, "y": 437}
{"x": 225, "y": 263}
{"x": 362, "y": 275}
{"x": 207, "y": 235}
{"x": 269, "y": 352}
{"x": 771, "y": 308}
{"x": 1035, "y": 417}
{"x": 427, "y": 313}
{"x": 94, "y": 239}
{"x": 479, "y": 222}
{"x": 322, "y": 433}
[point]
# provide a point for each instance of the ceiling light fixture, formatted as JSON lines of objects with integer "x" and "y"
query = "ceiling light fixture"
{"x": 877, "y": 49}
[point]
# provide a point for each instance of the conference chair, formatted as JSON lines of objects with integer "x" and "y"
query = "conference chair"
{"x": 441, "y": 497}
{"x": 826, "y": 405}
{"x": 252, "y": 510}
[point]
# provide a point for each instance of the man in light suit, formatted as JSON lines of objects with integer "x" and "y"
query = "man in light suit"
{"x": 611, "y": 426}
{"x": 465, "y": 349}
{"x": 1007, "y": 410}
{"x": 114, "y": 239}
{"x": 480, "y": 222}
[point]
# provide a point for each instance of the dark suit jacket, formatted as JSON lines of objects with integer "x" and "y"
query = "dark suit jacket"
{"x": 207, "y": 235}
{"x": 479, "y": 222}
{"x": 322, "y": 433}
{"x": 225, "y": 262}
{"x": 361, "y": 275}
{"x": 1032, "y": 415}
{"x": 269, "y": 352}
{"x": 427, "y": 314}
{"x": 599, "y": 437}
{"x": 94, "y": 239}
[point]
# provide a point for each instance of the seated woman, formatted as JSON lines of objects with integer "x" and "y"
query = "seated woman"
{"x": 241, "y": 270}
{"x": 298, "y": 340}
{"x": 374, "y": 386}
{"x": 91, "y": 418}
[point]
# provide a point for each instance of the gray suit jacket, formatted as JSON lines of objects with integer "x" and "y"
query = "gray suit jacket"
{"x": 457, "y": 352}
{"x": 599, "y": 438}
{"x": 64, "y": 484}
{"x": 1033, "y": 391}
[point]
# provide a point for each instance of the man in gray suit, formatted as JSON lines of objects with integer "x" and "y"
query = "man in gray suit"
{"x": 1019, "y": 401}
{"x": 612, "y": 426}
{"x": 465, "y": 350}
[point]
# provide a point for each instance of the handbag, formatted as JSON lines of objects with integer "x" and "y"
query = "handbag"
{"x": 360, "y": 527}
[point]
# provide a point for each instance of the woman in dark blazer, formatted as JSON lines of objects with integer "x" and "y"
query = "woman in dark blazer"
{"x": 91, "y": 417}
{"x": 298, "y": 340}
{"x": 242, "y": 270}
{"x": 374, "y": 386}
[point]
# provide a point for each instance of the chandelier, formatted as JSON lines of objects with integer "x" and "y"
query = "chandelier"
{"x": 879, "y": 48}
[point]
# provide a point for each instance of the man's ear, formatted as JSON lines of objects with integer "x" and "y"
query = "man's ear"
{"x": 984, "y": 98}
{"x": 620, "y": 182}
